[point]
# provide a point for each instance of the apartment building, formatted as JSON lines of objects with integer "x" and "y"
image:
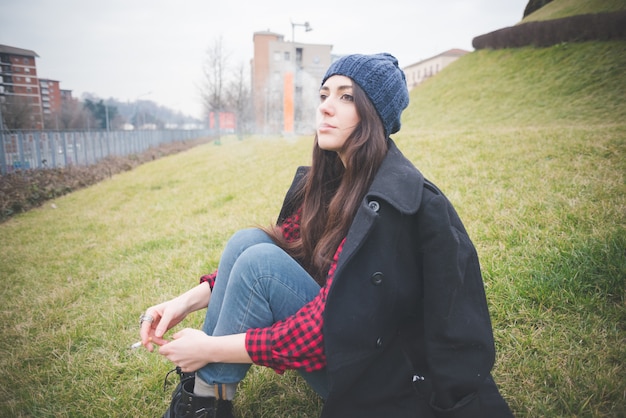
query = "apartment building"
{"x": 19, "y": 86}
{"x": 51, "y": 101}
{"x": 420, "y": 71}
{"x": 285, "y": 83}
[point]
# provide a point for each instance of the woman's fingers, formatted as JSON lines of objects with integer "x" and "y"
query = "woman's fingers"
{"x": 157, "y": 320}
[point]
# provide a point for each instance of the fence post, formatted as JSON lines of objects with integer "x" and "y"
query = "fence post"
{"x": 37, "y": 141}
{"x": 83, "y": 141}
{"x": 20, "y": 149}
{"x": 3, "y": 157}
{"x": 74, "y": 147}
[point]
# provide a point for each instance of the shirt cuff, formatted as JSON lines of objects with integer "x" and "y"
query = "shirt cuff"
{"x": 259, "y": 348}
{"x": 209, "y": 278}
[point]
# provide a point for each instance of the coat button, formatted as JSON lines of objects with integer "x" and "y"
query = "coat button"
{"x": 379, "y": 342}
{"x": 374, "y": 205}
{"x": 377, "y": 278}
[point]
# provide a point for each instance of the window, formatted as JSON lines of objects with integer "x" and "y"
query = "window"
{"x": 299, "y": 56}
{"x": 276, "y": 55}
{"x": 287, "y": 56}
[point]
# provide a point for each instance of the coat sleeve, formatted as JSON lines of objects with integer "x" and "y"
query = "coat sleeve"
{"x": 457, "y": 329}
{"x": 294, "y": 196}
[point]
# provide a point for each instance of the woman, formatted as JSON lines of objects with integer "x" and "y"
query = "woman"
{"x": 368, "y": 285}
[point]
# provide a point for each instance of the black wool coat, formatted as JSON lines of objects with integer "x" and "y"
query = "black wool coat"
{"x": 406, "y": 326}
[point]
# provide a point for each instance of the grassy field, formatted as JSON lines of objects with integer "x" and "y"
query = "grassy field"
{"x": 530, "y": 146}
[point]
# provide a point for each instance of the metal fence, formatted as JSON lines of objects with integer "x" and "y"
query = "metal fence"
{"x": 25, "y": 150}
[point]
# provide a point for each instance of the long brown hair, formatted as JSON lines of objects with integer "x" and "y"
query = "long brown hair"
{"x": 333, "y": 192}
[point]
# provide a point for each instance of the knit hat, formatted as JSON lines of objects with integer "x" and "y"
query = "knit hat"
{"x": 381, "y": 79}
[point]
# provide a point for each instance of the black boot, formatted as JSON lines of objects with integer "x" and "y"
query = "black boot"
{"x": 224, "y": 409}
{"x": 185, "y": 404}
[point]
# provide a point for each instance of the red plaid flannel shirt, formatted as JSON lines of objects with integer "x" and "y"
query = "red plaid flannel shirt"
{"x": 296, "y": 342}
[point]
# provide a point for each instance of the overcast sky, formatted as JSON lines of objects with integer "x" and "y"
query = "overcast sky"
{"x": 155, "y": 49}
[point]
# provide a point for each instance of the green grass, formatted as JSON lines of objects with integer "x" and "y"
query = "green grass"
{"x": 530, "y": 146}
{"x": 564, "y": 84}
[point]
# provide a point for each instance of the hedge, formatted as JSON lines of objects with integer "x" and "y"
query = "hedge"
{"x": 580, "y": 28}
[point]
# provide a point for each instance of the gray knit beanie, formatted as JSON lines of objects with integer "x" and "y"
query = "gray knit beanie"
{"x": 381, "y": 79}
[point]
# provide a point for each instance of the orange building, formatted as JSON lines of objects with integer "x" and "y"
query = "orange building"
{"x": 285, "y": 83}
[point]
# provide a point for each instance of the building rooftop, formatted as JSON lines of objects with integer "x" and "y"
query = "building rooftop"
{"x": 455, "y": 52}
{"x": 5, "y": 49}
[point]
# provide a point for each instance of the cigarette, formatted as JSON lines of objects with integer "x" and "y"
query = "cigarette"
{"x": 138, "y": 344}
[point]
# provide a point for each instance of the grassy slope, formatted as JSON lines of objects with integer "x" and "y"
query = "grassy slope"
{"x": 564, "y": 84}
{"x": 563, "y": 8}
{"x": 528, "y": 144}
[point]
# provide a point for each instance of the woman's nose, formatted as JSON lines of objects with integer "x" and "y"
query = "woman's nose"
{"x": 326, "y": 107}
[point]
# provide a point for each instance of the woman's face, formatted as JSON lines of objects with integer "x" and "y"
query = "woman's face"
{"x": 336, "y": 114}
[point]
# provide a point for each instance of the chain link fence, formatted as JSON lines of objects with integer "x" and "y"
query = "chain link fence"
{"x": 24, "y": 150}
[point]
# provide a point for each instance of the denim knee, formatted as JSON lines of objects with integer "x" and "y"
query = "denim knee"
{"x": 245, "y": 238}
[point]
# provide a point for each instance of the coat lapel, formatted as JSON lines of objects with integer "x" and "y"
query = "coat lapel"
{"x": 397, "y": 182}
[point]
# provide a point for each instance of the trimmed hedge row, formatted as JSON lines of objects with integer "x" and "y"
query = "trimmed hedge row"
{"x": 580, "y": 28}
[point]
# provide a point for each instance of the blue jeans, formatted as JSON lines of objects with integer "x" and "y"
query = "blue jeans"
{"x": 257, "y": 285}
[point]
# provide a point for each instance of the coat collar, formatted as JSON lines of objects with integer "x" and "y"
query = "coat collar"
{"x": 398, "y": 182}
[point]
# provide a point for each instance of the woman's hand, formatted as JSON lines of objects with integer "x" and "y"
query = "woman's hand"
{"x": 168, "y": 314}
{"x": 188, "y": 349}
{"x": 192, "y": 349}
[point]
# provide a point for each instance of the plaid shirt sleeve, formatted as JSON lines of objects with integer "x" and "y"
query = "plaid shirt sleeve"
{"x": 296, "y": 342}
{"x": 291, "y": 227}
{"x": 209, "y": 278}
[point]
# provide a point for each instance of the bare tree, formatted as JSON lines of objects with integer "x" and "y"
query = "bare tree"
{"x": 75, "y": 116}
{"x": 18, "y": 113}
{"x": 239, "y": 100}
{"x": 214, "y": 83}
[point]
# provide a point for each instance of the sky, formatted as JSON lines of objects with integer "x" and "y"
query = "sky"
{"x": 156, "y": 49}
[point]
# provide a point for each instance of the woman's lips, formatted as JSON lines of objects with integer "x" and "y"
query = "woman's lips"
{"x": 325, "y": 127}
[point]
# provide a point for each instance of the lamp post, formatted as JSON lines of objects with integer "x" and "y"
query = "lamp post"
{"x": 307, "y": 28}
{"x": 106, "y": 113}
{"x": 137, "y": 105}
{"x": 296, "y": 89}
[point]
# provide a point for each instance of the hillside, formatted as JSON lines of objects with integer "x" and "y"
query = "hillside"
{"x": 564, "y": 84}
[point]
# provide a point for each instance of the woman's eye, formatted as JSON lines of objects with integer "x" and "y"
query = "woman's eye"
{"x": 323, "y": 97}
{"x": 347, "y": 97}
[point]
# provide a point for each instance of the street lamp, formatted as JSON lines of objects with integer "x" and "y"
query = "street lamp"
{"x": 296, "y": 86}
{"x": 137, "y": 106}
{"x": 307, "y": 28}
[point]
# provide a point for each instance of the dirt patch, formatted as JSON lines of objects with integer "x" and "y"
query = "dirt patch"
{"x": 26, "y": 189}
